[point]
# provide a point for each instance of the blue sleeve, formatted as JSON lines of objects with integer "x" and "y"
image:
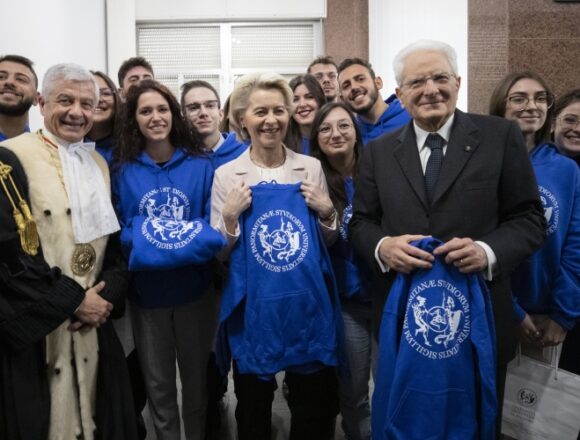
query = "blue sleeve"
{"x": 566, "y": 290}
{"x": 207, "y": 191}
{"x": 126, "y": 232}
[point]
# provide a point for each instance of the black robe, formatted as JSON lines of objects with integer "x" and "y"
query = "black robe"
{"x": 34, "y": 300}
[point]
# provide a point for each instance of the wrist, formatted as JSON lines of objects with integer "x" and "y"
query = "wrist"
{"x": 329, "y": 217}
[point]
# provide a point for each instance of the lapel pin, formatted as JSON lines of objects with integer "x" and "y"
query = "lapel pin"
{"x": 467, "y": 148}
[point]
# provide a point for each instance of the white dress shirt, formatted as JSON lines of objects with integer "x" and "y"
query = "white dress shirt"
{"x": 424, "y": 154}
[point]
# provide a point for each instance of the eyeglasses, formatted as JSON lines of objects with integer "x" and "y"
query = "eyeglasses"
{"x": 195, "y": 108}
{"x": 106, "y": 93}
{"x": 540, "y": 100}
{"x": 439, "y": 79}
{"x": 325, "y": 130}
{"x": 569, "y": 122}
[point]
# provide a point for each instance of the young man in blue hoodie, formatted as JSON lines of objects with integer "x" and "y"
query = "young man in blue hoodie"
{"x": 201, "y": 107}
{"x": 359, "y": 89}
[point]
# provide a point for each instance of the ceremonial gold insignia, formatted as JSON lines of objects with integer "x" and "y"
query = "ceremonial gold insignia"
{"x": 22, "y": 216}
{"x": 83, "y": 259}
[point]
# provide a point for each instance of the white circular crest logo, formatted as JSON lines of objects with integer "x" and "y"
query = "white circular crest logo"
{"x": 551, "y": 209}
{"x": 437, "y": 319}
{"x": 279, "y": 240}
{"x": 346, "y": 216}
{"x": 165, "y": 226}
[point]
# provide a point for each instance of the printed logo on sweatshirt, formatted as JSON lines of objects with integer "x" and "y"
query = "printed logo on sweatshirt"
{"x": 346, "y": 216}
{"x": 279, "y": 241}
{"x": 437, "y": 319}
{"x": 551, "y": 209}
{"x": 165, "y": 226}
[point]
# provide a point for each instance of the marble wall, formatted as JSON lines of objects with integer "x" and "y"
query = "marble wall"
{"x": 513, "y": 35}
{"x": 347, "y": 29}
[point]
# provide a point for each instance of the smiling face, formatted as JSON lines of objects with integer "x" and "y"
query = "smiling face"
{"x": 336, "y": 135}
{"x": 17, "y": 89}
{"x": 433, "y": 101}
{"x": 153, "y": 117}
{"x": 567, "y": 130}
{"x": 266, "y": 118}
{"x": 304, "y": 105}
{"x": 531, "y": 116}
{"x": 69, "y": 109}
{"x": 105, "y": 108}
{"x": 358, "y": 89}
{"x": 202, "y": 110}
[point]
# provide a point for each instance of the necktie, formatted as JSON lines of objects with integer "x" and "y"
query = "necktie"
{"x": 435, "y": 143}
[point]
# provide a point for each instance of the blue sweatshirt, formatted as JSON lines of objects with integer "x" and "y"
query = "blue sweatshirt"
{"x": 392, "y": 118}
{"x": 105, "y": 148}
{"x": 436, "y": 370}
{"x": 279, "y": 307}
{"x": 161, "y": 204}
{"x": 351, "y": 273}
{"x": 549, "y": 281}
{"x": 228, "y": 151}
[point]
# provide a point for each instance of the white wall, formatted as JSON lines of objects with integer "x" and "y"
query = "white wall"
{"x": 54, "y": 31}
{"x": 395, "y": 23}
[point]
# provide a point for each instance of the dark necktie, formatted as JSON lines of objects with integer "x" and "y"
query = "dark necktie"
{"x": 435, "y": 143}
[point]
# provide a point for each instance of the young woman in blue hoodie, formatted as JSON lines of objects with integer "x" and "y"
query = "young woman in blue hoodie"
{"x": 547, "y": 286}
{"x": 161, "y": 185}
{"x": 336, "y": 141}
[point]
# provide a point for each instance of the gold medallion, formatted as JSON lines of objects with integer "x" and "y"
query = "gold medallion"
{"x": 83, "y": 259}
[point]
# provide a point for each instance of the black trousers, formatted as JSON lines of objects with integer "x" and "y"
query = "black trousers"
{"x": 312, "y": 399}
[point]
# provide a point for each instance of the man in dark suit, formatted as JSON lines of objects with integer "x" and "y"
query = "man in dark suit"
{"x": 464, "y": 179}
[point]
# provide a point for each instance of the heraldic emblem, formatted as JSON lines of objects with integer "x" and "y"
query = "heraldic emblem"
{"x": 165, "y": 226}
{"x": 279, "y": 240}
{"x": 437, "y": 320}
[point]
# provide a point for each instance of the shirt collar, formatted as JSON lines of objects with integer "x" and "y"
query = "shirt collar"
{"x": 444, "y": 132}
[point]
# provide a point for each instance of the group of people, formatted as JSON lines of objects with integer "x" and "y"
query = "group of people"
{"x": 264, "y": 235}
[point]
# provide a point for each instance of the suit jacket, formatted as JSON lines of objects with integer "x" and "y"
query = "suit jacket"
{"x": 486, "y": 191}
{"x": 296, "y": 168}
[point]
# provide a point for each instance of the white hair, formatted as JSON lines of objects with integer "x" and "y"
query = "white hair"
{"x": 67, "y": 72}
{"x": 422, "y": 46}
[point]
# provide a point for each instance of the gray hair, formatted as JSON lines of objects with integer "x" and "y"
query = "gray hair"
{"x": 67, "y": 72}
{"x": 421, "y": 46}
{"x": 240, "y": 97}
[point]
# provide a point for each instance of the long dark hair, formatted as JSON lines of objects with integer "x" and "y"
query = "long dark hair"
{"x": 333, "y": 177}
{"x": 131, "y": 140}
{"x": 293, "y": 138}
{"x": 497, "y": 102}
{"x": 115, "y": 122}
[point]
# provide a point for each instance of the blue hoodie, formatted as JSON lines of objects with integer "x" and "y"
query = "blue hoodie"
{"x": 279, "y": 307}
{"x": 105, "y": 148}
{"x": 352, "y": 274}
{"x": 549, "y": 281}
{"x": 392, "y": 118}
{"x": 174, "y": 195}
{"x": 436, "y": 370}
{"x": 228, "y": 151}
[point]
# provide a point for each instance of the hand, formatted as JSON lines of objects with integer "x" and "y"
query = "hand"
{"x": 528, "y": 332}
{"x": 551, "y": 332}
{"x": 237, "y": 201}
{"x": 94, "y": 310}
{"x": 399, "y": 255}
{"x": 464, "y": 254}
{"x": 316, "y": 199}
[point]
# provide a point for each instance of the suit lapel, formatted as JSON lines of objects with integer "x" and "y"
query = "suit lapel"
{"x": 407, "y": 154}
{"x": 462, "y": 144}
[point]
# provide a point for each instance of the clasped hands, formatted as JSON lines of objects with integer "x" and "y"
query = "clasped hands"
{"x": 93, "y": 311}
{"x": 398, "y": 254}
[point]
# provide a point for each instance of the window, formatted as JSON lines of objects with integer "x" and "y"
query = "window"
{"x": 223, "y": 52}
